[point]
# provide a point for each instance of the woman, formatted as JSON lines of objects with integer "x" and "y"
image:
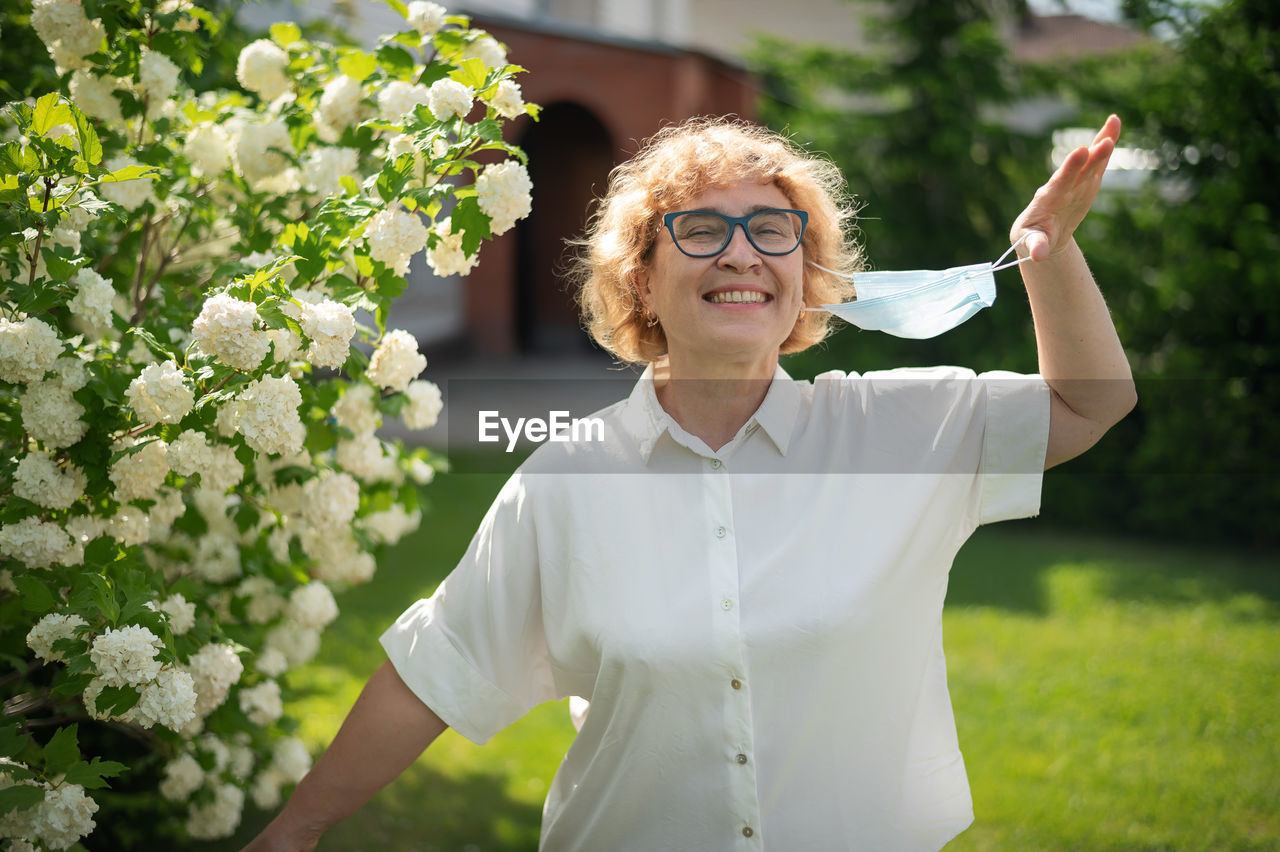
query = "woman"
{"x": 756, "y": 619}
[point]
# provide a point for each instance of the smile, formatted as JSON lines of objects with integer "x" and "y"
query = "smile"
{"x": 737, "y": 296}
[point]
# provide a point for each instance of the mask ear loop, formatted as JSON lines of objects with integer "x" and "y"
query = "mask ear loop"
{"x": 996, "y": 267}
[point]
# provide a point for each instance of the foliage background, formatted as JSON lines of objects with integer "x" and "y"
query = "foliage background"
{"x": 1188, "y": 263}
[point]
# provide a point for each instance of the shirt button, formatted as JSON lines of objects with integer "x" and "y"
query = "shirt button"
{"x": 721, "y": 532}
{"x": 715, "y": 464}
{"x": 735, "y": 683}
{"x": 726, "y": 604}
{"x": 747, "y": 831}
{"x": 742, "y": 758}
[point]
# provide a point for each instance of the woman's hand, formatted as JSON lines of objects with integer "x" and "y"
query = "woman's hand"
{"x": 1050, "y": 220}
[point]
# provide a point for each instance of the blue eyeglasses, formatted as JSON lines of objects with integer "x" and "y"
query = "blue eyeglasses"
{"x": 704, "y": 233}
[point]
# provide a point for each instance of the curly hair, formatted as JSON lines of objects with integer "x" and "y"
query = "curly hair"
{"x": 676, "y": 164}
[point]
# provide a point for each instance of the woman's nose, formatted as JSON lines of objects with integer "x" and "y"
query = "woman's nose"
{"x": 739, "y": 255}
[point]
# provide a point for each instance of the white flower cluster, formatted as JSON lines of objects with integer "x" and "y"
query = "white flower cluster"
{"x": 289, "y": 763}
{"x": 258, "y": 146}
{"x": 208, "y": 147}
{"x": 262, "y": 703}
{"x": 363, "y": 457}
{"x": 65, "y": 31}
{"x": 217, "y": 465}
{"x": 324, "y": 169}
{"x": 330, "y": 325}
{"x": 341, "y": 106}
{"x": 50, "y": 629}
{"x": 219, "y": 818}
{"x": 426, "y": 18}
{"x": 215, "y": 668}
{"x": 182, "y": 776}
{"x": 38, "y": 544}
{"x": 169, "y": 700}
{"x": 446, "y": 257}
{"x": 266, "y": 414}
{"x": 357, "y": 410}
{"x": 390, "y": 525}
{"x": 157, "y": 80}
{"x": 508, "y": 100}
{"x": 398, "y": 98}
{"x": 329, "y": 501}
{"x": 396, "y": 361}
{"x": 138, "y": 476}
{"x": 504, "y": 192}
{"x": 262, "y": 68}
{"x": 395, "y": 236}
{"x": 449, "y": 98}
{"x": 226, "y": 329}
{"x": 39, "y": 479}
{"x": 28, "y": 349}
{"x": 49, "y": 413}
{"x": 129, "y": 194}
{"x": 91, "y": 305}
{"x": 96, "y": 95}
{"x": 423, "y": 406}
{"x": 160, "y": 395}
{"x": 62, "y": 817}
{"x": 181, "y": 613}
{"x": 126, "y": 656}
{"x": 488, "y": 50}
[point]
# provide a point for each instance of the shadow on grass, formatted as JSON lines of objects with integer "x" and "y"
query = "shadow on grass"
{"x": 1009, "y": 566}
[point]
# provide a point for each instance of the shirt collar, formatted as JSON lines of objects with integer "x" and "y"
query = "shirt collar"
{"x": 646, "y": 420}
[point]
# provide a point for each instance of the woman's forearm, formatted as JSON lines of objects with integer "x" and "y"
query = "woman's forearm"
{"x": 386, "y": 730}
{"x": 1080, "y": 354}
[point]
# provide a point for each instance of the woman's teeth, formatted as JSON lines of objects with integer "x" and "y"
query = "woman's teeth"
{"x": 738, "y": 296}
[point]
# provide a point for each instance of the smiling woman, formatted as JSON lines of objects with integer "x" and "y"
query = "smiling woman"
{"x": 738, "y": 683}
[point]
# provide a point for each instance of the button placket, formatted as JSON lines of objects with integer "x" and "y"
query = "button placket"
{"x": 737, "y": 735}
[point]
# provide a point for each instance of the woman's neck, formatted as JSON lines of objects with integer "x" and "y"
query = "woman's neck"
{"x": 712, "y": 401}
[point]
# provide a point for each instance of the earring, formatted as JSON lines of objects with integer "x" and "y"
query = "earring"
{"x": 652, "y": 318}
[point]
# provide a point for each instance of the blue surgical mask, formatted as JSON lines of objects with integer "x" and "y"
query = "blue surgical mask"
{"x": 920, "y": 303}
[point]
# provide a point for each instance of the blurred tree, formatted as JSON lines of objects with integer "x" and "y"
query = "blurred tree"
{"x": 915, "y": 123}
{"x": 1190, "y": 265}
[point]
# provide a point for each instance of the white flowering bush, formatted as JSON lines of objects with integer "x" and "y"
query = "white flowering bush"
{"x": 194, "y": 365}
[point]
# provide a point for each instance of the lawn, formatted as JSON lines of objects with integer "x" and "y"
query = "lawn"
{"x": 1109, "y": 695}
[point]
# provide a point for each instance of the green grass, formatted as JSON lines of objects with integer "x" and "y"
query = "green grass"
{"x": 1109, "y": 695}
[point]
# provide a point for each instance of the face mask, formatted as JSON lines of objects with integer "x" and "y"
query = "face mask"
{"x": 920, "y": 303}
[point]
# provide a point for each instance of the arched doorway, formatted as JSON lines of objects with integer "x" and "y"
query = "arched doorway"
{"x": 570, "y": 155}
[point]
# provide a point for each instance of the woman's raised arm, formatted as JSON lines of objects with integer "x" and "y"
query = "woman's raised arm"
{"x": 385, "y": 731}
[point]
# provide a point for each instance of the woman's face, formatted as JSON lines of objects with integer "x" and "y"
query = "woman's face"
{"x": 736, "y": 307}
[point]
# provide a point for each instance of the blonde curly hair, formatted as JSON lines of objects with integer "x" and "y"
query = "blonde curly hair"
{"x": 676, "y": 164}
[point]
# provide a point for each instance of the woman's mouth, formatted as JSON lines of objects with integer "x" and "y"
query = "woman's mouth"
{"x": 721, "y": 297}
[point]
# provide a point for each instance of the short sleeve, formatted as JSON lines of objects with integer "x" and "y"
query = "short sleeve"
{"x": 475, "y": 652}
{"x": 1014, "y": 443}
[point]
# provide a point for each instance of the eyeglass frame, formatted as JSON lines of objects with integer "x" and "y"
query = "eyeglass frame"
{"x": 668, "y": 219}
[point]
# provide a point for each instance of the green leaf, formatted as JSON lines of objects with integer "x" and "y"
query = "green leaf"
{"x": 152, "y": 343}
{"x": 468, "y": 219}
{"x": 285, "y": 33}
{"x": 358, "y": 65}
{"x": 399, "y": 7}
{"x": 117, "y": 700}
{"x": 49, "y": 113}
{"x": 36, "y": 597}
{"x": 90, "y": 775}
{"x": 62, "y": 750}
{"x": 22, "y": 797}
{"x": 12, "y": 743}
{"x": 470, "y": 72}
{"x": 60, "y": 269}
{"x": 90, "y": 145}
{"x": 11, "y": 159}
{"x": 396, "y": 61}
{"x": 132, "y": 172}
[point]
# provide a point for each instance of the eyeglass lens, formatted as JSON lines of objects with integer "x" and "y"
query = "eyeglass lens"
{"x": 706, "y": 233}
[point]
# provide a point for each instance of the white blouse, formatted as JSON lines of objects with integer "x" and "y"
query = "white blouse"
{"x": 758, "y": 630}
